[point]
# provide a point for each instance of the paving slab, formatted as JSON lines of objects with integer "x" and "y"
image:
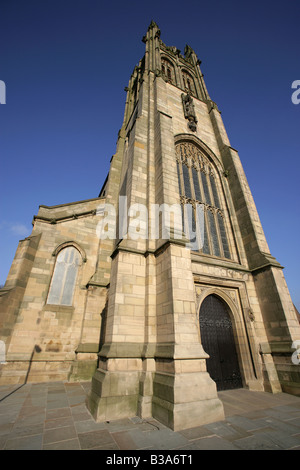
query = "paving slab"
{"x": 53, "y": 416}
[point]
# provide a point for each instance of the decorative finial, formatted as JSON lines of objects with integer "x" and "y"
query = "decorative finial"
{"x": 153, "y": 25}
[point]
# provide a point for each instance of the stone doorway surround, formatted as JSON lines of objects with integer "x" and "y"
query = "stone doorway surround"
{"x": 245, "y": 324}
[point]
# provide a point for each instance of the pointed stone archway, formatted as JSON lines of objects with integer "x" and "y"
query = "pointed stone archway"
{"x": 246, "y": 349}
{"x": 218, "y": 342}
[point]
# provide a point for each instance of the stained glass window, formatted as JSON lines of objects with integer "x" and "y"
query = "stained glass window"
{"x": 205, "y": 188}
{"x": 214, "y": 190}
{"x": 223, "y": 236}
{"x": 196, "y": 184}
{"x": 205, "y": 248}
{"x": 186, "y": 179}
{"x": 64, "y": 277}
{"x": 200, "y": 188}
{"x": 179, "y": 182}
{"x": 214, "y": 234}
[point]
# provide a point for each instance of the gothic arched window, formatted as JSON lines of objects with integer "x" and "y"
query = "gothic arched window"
{"x": 188, "y": 83}
{"x": 167, "y": 70}
{"x": 64, "y": 277}
{"x": 198, "y": 187}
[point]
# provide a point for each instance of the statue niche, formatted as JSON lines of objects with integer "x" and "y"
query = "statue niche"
{"x": 189, "y": 111}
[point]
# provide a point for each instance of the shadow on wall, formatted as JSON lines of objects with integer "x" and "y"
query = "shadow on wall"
{"x": 36, "y": 349}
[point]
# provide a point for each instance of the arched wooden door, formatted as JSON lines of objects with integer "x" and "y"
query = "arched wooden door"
{"x": 218, "y": 341}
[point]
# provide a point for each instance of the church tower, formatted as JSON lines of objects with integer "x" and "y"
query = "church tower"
{"x": 162, "y": 289}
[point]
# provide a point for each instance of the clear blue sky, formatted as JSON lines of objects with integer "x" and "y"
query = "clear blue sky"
{"x": 66, "y": 63}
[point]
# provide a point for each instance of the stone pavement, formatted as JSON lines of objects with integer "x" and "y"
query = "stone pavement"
{"x": 53, "y": 416}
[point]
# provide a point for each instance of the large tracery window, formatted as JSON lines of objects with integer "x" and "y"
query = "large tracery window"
{"x": 198, "y": 187}
{"x": 64, "y": 277}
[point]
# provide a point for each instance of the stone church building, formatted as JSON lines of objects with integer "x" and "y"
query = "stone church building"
{"x": 159, "y": 323}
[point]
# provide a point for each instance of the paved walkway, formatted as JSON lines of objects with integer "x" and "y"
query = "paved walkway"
{"x": 53, "y": 416}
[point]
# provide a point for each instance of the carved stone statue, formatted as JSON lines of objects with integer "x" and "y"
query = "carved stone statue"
{"x": 189, "y": 111}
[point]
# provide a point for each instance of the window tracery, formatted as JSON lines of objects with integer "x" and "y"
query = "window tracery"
{"x": 188, "y": 83}
{"x": 168, "y": 71}
{"x": 198, "y": 186}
